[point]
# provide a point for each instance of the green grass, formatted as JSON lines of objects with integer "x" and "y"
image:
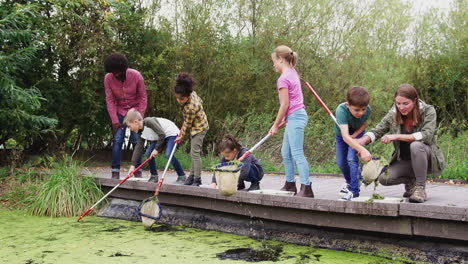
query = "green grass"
{"x": 454, "y": 149}
{"x": 4, "y": 173}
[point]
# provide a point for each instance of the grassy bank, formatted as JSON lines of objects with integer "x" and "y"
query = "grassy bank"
{"x": 55, "y": 189}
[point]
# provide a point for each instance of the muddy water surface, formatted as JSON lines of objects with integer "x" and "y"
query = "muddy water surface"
{"x": 36, "y": 240}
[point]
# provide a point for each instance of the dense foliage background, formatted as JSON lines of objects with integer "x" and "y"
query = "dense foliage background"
{"x": 52, "y": 51}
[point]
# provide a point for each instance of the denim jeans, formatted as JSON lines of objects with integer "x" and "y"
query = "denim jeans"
{"x": 293, "y": 147}
{"x": 252, "y": 176}
{"x": 168, "y": 144}
{"x": 119, "y": 139}
{"x": 348, "y": 162}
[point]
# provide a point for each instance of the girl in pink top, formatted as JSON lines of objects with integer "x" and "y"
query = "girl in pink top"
{"x": 293, "y": 110}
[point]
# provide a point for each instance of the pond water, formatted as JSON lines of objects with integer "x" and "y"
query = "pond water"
{"x": 29, "y": 239}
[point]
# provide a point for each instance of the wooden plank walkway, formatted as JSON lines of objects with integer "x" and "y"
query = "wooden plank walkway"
{"x": 327, "y": 187}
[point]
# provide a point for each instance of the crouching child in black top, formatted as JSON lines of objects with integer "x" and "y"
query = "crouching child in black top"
{"x": 252, "y": 171}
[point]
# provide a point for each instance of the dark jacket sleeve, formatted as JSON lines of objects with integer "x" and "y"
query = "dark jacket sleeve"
{"x": 248, "y": 163}
{"x": 154, "y": 124}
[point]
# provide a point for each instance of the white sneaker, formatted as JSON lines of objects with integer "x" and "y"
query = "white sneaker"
{"x": 347, "y": 197}
{"x": 344, "y": 191}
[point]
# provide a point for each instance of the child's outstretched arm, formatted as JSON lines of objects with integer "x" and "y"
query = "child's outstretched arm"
{"x": 137, "y": 153}
{"x": 284, "y": 105}
{"x": 189, "y": 113}
{"x": 359, "y": 131}
{"x": 362, "y": 151}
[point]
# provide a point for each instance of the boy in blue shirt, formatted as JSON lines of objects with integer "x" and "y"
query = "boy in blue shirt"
{"x": 352, "y": 117}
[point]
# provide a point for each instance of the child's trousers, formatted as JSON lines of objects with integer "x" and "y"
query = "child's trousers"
{"x": 293, "y": 147}
{"x": 348, "y": 162}
{"x": 169, "y": 144}
{"x": 196, "y": 144}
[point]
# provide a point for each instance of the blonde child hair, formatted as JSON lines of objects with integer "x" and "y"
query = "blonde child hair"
{"x": 287, "y": 54}
{"x": 131, "y": 116}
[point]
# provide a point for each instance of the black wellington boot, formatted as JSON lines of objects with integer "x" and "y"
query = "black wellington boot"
{"x": 196, "y": 181}
{"x": 189, "y": 180}
{"x": 254, "y": 186}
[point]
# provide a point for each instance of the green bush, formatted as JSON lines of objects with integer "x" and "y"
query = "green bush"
{"x": 4, "y": 173}
{"x": 454, "y": 149}
{"x": 66, "y": 192}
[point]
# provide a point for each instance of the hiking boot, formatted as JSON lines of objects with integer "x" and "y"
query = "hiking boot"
{"x": 116, "y": 175}
{"x": 419, "y": 195}
{"x": 196, "y": 181}
{"x": 180, "y": 180}
{"x": 240, "y": 185}
{"x": 409, "y": 188}
{"x": 254, "y": 186}
{"x": 305, "y": 191}
{"x": 189, "y": 180}
{"x": 137, "y": 174}
{"x": 289, "y": 187}
{"x": 153, "y": 178}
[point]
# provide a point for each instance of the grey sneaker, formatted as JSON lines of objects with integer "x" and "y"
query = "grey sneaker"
{"x": 153, "y": 178}
{"x": 180, "y": 180}
{"x": 419, "y": 195}
{"x": 409, "y": 189}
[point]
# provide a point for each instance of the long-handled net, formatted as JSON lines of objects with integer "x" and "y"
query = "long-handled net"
{"x": 150, "y": 209}
{"x": 117, "y": 186}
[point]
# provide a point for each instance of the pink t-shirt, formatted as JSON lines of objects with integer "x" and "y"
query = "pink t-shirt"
{"x": 290, "y": 80}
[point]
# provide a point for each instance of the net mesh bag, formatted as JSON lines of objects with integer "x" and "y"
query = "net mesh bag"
{"x": 372, "y": 170}
{"x": 227, "y": 176}
{"x": 150, "y": 211}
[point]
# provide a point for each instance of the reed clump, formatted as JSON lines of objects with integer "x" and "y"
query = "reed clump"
{"x": 66, "y": 192}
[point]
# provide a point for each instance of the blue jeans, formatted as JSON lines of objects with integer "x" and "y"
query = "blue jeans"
{"x": 293, "y": 147}
{"x": 348, "y": 162}
{"x": 119, "y": 139}
{"x": 168, "y": 144}
{"x": 252, "y": 176}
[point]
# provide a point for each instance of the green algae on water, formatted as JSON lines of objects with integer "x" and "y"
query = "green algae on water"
{"x": 35, "y": 239}
{"x": 375, "y": 196}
